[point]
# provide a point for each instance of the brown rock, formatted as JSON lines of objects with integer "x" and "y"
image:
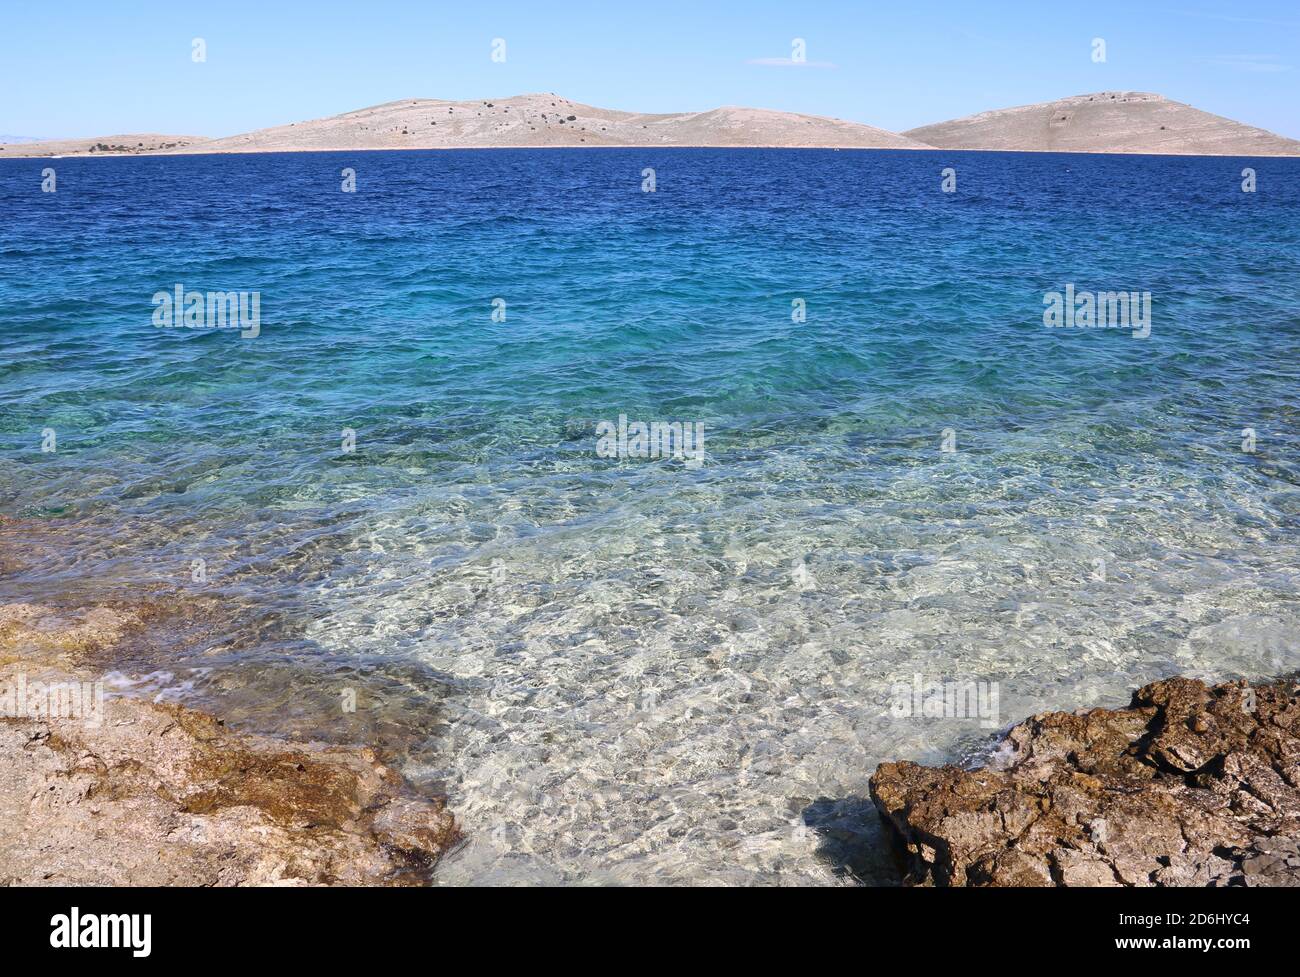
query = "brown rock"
{"x": 1189, "y": 785}
{"x": 163, "y": 795}
{"x": 148, "y": 794}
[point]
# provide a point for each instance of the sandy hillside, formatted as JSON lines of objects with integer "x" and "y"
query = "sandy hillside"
{"x": 550, "y": 120}
{"x": 1106, "y": 122}
{"x": 132, "y": 144}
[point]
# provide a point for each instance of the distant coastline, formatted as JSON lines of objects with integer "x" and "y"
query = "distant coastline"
{"x": 1121, "y": 123}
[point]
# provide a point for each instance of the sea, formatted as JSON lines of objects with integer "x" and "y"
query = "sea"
{"x": 642, "y": 501}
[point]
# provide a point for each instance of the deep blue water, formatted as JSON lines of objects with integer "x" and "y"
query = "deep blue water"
{"x": 645, "y": 670}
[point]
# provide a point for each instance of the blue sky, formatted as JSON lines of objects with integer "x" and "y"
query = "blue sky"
{"x": 96, "y": 68}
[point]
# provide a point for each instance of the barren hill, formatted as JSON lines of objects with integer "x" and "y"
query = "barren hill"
{"x": 136, "y": 143}
{"x": 1106, "y": 122}
{"x": 550, "y": 120}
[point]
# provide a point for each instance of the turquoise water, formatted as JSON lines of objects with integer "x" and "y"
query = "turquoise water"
{"x": 646, "y": 670}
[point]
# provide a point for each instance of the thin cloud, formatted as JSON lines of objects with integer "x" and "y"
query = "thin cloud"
{"x": 790, "y": 63}
{"x": 1235, "y": 20}
{"x": 1250, "y": 62}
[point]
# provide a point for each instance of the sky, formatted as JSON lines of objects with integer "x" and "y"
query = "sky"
{"x": 79, "y": 68}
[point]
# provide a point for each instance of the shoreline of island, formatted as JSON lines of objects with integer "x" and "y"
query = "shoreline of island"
{"x": 1101, "y": 123}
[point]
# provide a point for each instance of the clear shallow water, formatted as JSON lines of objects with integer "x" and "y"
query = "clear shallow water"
{"x": 641, "y": 671}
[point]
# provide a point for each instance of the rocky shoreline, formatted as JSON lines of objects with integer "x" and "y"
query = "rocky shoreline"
{"x": 1190, "y": 785}
{"x": 121, "y": 791}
